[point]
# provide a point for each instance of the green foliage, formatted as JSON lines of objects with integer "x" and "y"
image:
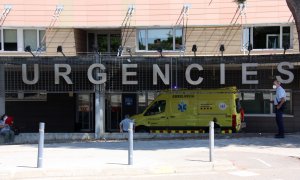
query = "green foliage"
{"x": 164, "y": 44}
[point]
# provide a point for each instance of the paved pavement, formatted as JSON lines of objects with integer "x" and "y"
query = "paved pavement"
{"x": 250, "y": 158}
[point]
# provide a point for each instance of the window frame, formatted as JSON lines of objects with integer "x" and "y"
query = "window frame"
{"x": 147, "y": 112}
{"x": 2, "y": 39}
{"x": 156, "y": 28}
{"x": 108, "y": 33}
{"x": 20, "y": 39}
{"x": 243, "y": 48}
{"x": 37, "y": 39}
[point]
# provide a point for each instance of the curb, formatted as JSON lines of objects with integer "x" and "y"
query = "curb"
{"x": 32, "y": 138}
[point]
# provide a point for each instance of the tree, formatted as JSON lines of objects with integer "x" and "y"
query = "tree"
{"x": 294, "y": 6}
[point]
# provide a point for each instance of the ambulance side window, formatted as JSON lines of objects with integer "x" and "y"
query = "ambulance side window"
{"x": 156, "y": 108}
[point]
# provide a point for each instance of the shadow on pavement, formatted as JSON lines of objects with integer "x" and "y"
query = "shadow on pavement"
{"x": 291, "y": 141}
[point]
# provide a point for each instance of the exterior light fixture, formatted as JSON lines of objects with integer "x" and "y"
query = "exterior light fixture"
{"x": 181, "y": 50}
{"x": 250, "y": 47}
{"x": 95, "y": 50}
{"x": 28, "y": 49}
{"x": 60, "y": 50}
{"x": 194, "y": 49}
{"x": 120, "y": 51}
{"x": 222, "y": 49}
{"x": 128, "y": 49}
{"x": 286, "y": 46}
{"x": 160, "y": 50}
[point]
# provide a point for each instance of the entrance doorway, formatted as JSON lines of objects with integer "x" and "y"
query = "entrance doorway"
{"x": 113, "y": 112}
{"x": 84, "y": 115}
{"x": 120, "y": 104}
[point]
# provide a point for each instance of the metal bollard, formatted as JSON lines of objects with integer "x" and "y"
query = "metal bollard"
{"x": 211, "y": 141}
{"x": 41, "y": 145}
{"x": 130, "y": 140}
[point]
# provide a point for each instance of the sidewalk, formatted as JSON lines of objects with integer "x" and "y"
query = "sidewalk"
{"x": 91, "y": 159}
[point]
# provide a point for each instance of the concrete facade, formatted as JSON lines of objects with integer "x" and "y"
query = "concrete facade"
{"x": 208, "y": 40}
{"x": 207, "y": 24}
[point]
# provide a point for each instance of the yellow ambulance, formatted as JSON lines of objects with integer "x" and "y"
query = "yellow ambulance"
{"x": 192, "y": 110}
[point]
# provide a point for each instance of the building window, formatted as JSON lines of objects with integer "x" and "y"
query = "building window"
{"x": 105, "y": 42}
{"x": 151, "y": 39}
{"x": 142, "y": 40}
{"x": 10, "y": 40}
{"x": 102, "y": 40}
{"x": 261, "y": 102}
{"x": 42, "y": 39}
{"x": 91, "y": 42}
{"x": 286, "y": 37}
{"x": 30, "y": 38}
{"x": 0, "y": 39}
{"x": 157, "y": 108}
{"x": 18, "y": 39}
{"x": 34, "y": 39}
{"x": 115, "y": 42}
{"x": 267, "y": 37}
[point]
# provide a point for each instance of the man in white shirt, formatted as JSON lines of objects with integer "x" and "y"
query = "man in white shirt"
{"x": 279, "y": 103}
{"x": 124, "y": 124}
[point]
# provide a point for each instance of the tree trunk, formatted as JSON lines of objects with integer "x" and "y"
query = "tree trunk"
{"x": 294, "y": 6}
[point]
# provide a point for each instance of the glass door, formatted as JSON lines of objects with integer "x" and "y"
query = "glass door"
{"x": 102, "y": 40}
{"x": 84, "y": 118}
{"x": 114, "y": 112}
{"x": 108, "y": 43}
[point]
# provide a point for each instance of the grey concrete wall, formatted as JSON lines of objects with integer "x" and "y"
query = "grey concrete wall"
{"x": 2, "y": 90}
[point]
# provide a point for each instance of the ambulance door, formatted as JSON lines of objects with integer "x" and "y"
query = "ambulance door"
{"x": 156, "y": 115}
{"x": 182, "y": 114}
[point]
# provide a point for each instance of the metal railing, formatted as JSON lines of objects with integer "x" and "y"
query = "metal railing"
{"x": 266, "y": 72}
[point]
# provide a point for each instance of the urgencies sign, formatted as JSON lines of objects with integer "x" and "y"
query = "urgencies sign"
{"x": 95, "y": 75}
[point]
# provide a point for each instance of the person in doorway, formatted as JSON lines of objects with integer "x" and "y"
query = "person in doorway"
{"x": 124, "y": 124}
{"x": 5, "y": 130}
{"x": 279, "y": 103}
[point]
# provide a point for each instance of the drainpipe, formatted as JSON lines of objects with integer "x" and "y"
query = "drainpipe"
{"x": 2, "y": 90}
{"x": 99, "y": 106}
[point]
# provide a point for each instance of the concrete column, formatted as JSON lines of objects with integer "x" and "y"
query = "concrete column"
{"x": 2, "y": 90}
{"x": 99, "y": 107}
{"x": 99, "y": 113}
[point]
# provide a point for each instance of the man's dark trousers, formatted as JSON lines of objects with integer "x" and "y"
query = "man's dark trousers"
{"x": 279, "y": 121}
